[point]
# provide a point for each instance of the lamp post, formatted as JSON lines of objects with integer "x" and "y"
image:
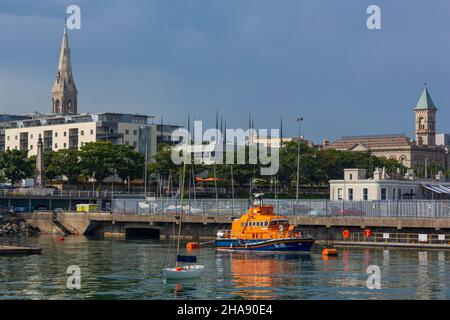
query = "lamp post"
{"x": 299, "y": 120}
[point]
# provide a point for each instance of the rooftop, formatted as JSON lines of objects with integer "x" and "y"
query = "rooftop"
{"x": 425, "y": 102}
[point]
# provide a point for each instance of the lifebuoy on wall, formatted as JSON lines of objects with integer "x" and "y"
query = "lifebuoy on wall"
{"x": 346, "y": 234}
{"x": 367, "y": 233}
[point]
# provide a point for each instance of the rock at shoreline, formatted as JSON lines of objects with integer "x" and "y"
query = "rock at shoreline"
{"x": 17, "y": 228}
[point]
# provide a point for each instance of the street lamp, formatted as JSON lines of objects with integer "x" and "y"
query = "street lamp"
{"x": 299, "y": 120}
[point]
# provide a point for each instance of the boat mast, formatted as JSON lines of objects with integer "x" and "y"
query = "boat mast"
{"x": 181, "y": 203}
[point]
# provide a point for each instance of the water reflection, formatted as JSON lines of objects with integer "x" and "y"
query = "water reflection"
{"x": 131, "y": 269}
{"x": 257, "y": 276}
{"x": 423, "y": 281}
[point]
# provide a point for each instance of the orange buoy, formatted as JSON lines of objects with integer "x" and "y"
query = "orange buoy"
{"x": 330, "y": 252}
{"x": 367, "y": 233}
{"x": 178, "y": 269}
{"x": 346, "y": 233}
{"x": 193, "y": 245}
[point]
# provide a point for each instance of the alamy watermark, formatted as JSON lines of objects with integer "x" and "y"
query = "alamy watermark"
{"x": 74, "y": 279}
{"x": 374, "y": 280}
{"x": 234, "y": 146}
{"x": 73, "y": 21}
{"x": 374, "y": 20}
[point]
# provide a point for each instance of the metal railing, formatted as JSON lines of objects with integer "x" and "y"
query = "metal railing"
{"x": 66, "y": 194}
{"x": 311, "y": 208}
{"x": 402, "y": 238}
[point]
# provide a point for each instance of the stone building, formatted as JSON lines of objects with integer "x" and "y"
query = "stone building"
{"x": 418, "y": 153}
{"x": 356, "y": 187}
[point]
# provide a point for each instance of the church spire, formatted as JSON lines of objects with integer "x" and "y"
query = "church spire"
{"x": 64, "y": 91}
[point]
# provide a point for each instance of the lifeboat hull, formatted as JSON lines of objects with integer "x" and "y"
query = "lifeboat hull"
{"x": 269, "y": 245}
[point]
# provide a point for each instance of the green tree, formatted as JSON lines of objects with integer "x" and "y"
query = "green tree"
{"x": 66, "y": 163}
{"x": 97, "y": 160}
{"x": 130, "y": 163}
{"x": 15, "y": 165}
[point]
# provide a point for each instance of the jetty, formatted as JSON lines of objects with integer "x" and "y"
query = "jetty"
{"x": 9, "y": 250}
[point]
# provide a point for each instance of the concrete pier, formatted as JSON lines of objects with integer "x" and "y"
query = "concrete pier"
{"x": 206, "y": 226}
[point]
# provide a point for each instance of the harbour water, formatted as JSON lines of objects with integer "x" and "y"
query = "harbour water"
{"x": 130, "y": 269}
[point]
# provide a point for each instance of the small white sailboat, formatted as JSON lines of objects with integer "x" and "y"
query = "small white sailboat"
{"x": 185, "y": 272}
{"x": 181, "y": 272}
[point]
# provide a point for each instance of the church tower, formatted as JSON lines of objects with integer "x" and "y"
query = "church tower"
{"x": 425, "y": 120}
{"x": 64, "y": 91}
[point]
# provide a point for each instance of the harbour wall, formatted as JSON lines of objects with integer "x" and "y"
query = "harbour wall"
{"x": 197, "y": 227}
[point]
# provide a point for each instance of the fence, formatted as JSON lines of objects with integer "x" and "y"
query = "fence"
{"x": 312, "y": 208}
{"x": 65, "y": 194}
{"x": 402, "y": 238}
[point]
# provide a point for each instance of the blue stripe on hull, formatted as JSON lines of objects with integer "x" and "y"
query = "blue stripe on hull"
{"x": 286, "y": 245}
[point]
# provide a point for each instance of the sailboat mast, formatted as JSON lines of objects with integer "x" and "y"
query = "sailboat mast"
{"x": 181, "y": 203}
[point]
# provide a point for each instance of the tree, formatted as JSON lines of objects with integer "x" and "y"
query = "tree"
{"x": 130, "y": 163}
{"x": 66, "y": 163}
{"x": 97, "y": 160}
{"x": 15, "y": 165}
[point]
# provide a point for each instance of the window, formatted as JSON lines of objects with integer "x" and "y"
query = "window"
{"x": 350, "y": 194}
{"x": 31, "y": 136}
{"x": 82, "y": 132}
{"x": 135, "y": 144}
{"x": 351, "y": 176}
{"x": 8, "y": 138}
{"x": 394, "y": 193}
{"x": 65, "y": 133}
{"x": 339, "y": 193}
{"x": 135, "y": 132}
{"x": 383, "y": 194}
{"x": 127, "y": 131}
{"x": 399, "y": 196}
{"x": 56, "y": 134}
{"x": 65, "y": 145}
{"x": 31, "y": 147}
{"x": 365, "y": 194}
{"x": 56, "y": 146}
{"x": 16, "y": 137}
{"x": 92, "y": 132}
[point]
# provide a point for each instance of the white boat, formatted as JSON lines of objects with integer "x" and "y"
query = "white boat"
{"x": 183, "y": 272}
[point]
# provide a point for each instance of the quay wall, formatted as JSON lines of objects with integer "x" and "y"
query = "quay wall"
{"x": 197, "y": 227}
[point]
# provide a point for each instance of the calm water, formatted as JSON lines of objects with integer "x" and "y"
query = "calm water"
{"x": 130, "y": 269}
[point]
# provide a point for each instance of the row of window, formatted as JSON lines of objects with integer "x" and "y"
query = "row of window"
{"x": 135, "y": 132}
{"x": 255, "y": 224}
{"x": 56, "y": 135}
{"x": 396, "y": 194}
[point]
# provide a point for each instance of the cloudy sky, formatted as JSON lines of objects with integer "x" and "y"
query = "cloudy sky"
{"x": 313, "y": 58}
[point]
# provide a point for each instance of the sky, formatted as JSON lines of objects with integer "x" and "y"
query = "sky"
{"x": 271, "y": 58}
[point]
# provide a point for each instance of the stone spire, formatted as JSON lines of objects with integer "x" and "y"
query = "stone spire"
{"x": 64, "y": 91}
